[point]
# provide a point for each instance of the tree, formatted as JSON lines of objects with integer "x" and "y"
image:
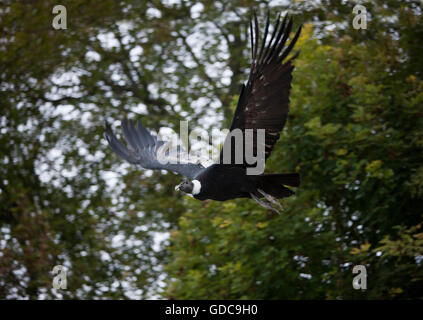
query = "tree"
{"x": 354, "y": 133}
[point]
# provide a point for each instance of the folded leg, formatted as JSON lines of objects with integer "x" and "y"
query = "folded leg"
{"x": 264, "y": 204}
{"x": 270, "y": 198}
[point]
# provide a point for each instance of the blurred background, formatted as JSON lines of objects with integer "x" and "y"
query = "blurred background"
{"x": 355, "y": 134}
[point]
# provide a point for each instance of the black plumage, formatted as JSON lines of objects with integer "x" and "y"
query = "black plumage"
{"x": 263, "y": 104}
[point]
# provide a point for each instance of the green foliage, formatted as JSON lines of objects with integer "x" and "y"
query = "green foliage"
{"x": 354, "y": 134}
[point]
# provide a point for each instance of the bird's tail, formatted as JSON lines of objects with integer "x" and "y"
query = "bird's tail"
{"x": 274, "y": 184}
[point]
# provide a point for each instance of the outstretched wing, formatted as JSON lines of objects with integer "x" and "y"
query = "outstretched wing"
{"x": 145, "y": 149}
{"x": 264, "y": 100}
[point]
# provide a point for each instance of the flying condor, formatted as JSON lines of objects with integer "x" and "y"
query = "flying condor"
{"x": 263, "y": 104}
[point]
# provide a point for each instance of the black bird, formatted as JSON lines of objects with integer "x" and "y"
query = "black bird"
{"x": 263, "y": 104}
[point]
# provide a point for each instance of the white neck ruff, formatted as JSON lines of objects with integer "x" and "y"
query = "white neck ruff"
{"x": 197, "y": 187}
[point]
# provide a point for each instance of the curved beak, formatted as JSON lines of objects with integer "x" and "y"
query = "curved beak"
{"x": 177, "y": 187}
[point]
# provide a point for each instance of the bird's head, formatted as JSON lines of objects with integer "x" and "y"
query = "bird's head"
{"x": 192, "y": 187}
